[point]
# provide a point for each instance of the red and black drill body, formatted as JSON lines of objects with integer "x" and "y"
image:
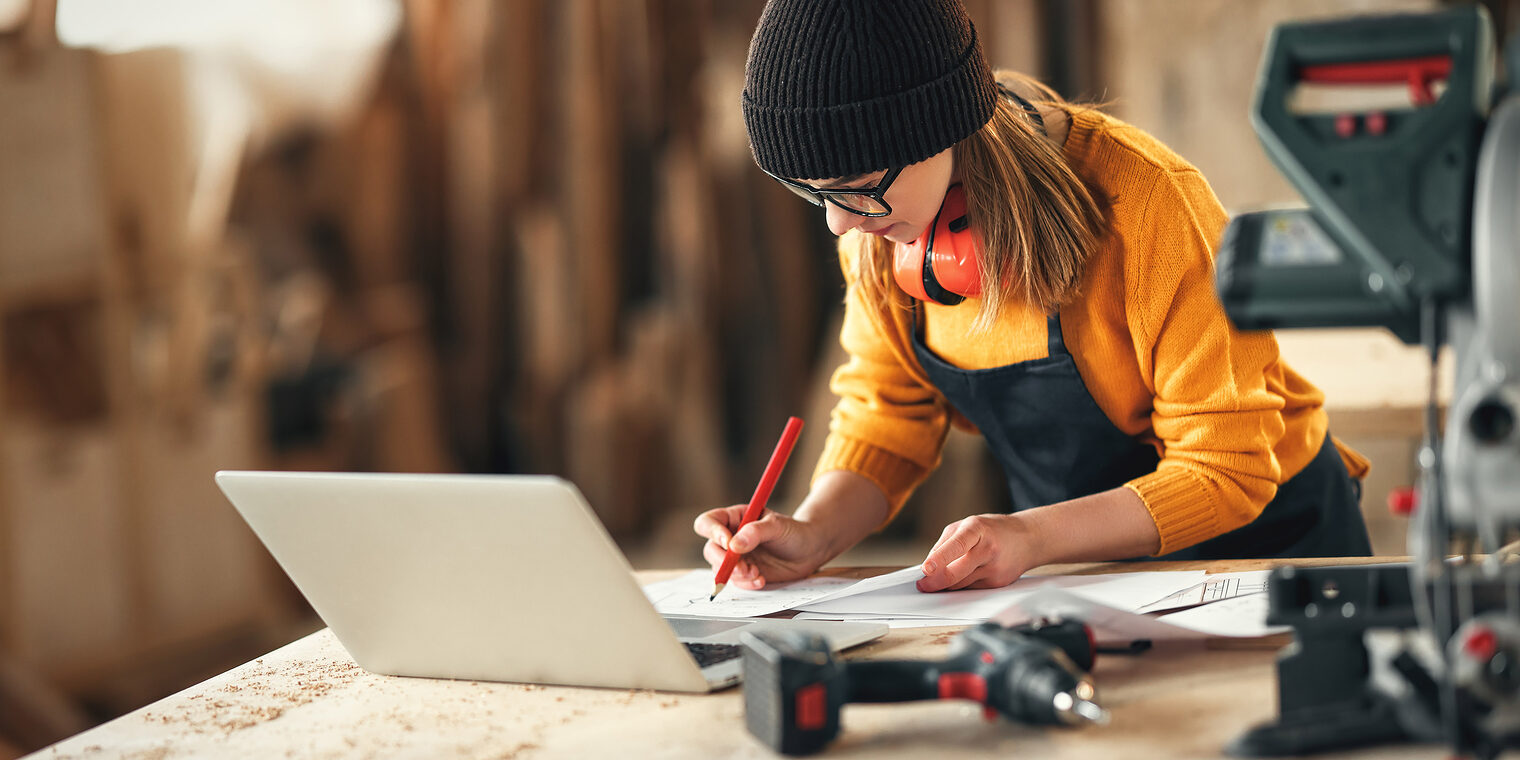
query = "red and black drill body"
{"x": 1033, "y": 673}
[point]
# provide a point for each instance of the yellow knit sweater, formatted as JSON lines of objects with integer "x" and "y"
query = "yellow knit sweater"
{"x": 1229, "y": 419}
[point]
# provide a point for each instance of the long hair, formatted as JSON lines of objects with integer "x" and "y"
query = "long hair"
{"x": 1038, "y": 221}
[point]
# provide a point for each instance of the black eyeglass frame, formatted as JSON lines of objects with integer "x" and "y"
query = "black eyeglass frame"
{"x": 817, "y": 196}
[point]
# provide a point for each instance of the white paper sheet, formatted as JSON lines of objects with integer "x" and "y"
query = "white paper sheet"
{"x": 896, "y": 594}
{"x": 687, "y": 595}
{"x": 1239, "y": 617}
{"x": 891, "y": 622}
{"x": 1110, "y": 626}
{"x": 1218, "y": 587}
{"x": 1242, "y": 616}
{"x": 907, "y": 575}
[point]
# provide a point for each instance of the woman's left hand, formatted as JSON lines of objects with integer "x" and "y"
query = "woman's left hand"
{"x": 981, "y": 551}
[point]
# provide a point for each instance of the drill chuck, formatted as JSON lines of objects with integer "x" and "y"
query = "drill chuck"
{"x": 1043, "y": 686}
{"x": 1073, "y": 708}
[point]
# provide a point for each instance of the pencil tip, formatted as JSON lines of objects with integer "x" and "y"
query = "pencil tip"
{"x": 716, "y": 588}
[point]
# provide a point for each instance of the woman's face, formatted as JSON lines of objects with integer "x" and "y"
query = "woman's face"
{"x": 915, "y": 198}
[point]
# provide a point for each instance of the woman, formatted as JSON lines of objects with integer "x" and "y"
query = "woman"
{"x": 1086, "y": 344}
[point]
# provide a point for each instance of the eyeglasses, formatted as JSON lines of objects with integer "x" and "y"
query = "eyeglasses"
{"x": 858, "y": 201}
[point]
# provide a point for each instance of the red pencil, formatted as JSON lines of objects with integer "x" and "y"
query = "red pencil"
{"x": 762, "y": 494}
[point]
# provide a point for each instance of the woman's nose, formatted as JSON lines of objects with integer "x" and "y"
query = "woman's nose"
{"x": 840, "y": 221}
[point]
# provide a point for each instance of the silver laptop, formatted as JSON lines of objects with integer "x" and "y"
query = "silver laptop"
{"x": 485, "y": 577}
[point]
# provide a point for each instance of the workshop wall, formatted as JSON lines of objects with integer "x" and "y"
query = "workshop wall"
{"x": 518, "y": 236}
{"x": 1196, "y": 83}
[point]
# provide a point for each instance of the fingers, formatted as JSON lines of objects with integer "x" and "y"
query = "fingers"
{"x": 746, "y": 574}
{"x": 984, "y": 581}
{"x": 983, "y": 551}
{"x": 770, "y": 527}
{"x": 951, "y": 560}
{"x": 717, "y": 524}
{"x": 956, "y": 539}
{"x": 775, "y": 544}
{"x": 969, "y": 570}
{"x": 966, "y": 556}
{"x": 713, "y": 554}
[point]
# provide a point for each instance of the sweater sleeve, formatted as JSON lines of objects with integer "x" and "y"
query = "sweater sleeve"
{"x": 889, "y": 424}
{"x": 1214, "y": 414}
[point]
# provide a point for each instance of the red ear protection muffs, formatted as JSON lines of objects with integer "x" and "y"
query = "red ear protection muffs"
{"x": 941, "y": 265}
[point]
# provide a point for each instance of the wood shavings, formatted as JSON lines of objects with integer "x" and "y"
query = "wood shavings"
{"x": 255, "y": 699}
{"x": 517, "y": 750}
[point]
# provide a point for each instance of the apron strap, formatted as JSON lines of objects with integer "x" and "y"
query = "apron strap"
{"x": 1054, "y": 341}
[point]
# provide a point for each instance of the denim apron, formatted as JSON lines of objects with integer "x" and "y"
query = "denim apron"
{"x": 1054, "y": 443}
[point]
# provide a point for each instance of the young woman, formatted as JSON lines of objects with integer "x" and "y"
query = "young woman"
{"x": 1085, "y": 344}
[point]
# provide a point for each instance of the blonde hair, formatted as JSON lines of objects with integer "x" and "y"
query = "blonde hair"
{"x": 1038, "y": 221}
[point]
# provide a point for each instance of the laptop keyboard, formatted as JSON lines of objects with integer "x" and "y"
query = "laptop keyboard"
{"x": 712, "y": 654}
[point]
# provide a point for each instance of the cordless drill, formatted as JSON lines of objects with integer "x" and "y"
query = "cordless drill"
{"x": 1031, "y": 673}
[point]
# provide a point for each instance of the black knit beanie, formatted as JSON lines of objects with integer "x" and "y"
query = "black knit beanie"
{"x": 836, "y": 88}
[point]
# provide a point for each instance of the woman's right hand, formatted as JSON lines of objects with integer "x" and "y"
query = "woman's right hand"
{"x": 773, "y": 549}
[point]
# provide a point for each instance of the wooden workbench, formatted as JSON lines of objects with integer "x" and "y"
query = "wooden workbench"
{"x": 308, "y": 699}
